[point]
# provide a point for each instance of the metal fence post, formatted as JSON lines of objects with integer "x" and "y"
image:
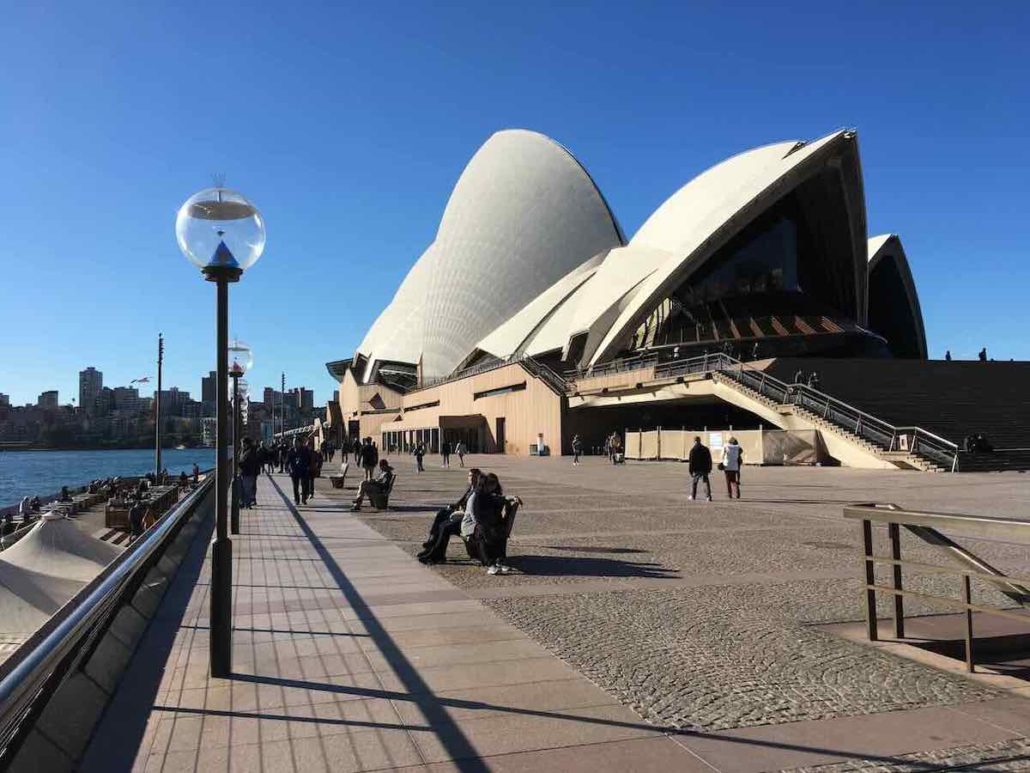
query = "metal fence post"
{"x": 870, "y": 580}
{"x": 966, "y": 597}
{"x": 899, "y": 602}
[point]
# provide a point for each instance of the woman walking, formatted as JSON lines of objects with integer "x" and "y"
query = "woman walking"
{"x": 732, "y": 459}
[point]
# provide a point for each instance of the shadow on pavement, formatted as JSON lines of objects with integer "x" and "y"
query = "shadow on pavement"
{"x": 574, "y": 566}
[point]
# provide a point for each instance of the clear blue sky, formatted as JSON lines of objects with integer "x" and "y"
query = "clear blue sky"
{"x": 348, "y": 124}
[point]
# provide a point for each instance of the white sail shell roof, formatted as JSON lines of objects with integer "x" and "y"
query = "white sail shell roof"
{"x": 523, "y": 214}
{"x": 698, "y": 219}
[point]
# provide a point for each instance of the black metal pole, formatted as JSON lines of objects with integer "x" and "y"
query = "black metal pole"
{"x": 221, "y": 548}
{"x": 157, "y": 408}
{"x": 282, "y": 403}
{"x": 234, "y": 516}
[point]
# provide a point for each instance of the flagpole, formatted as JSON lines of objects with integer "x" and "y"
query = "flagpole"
{"x": 157, "y": 410}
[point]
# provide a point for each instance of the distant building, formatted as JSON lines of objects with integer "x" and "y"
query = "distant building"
{"x": 173, "y": 401}
{"x": 102, "y": 403}
{"x": 5, "y": 400}
{"x": 91, "y": 381}
{"x": 128, "y": 399}
{"x": 48, "y": 399}
{"x": 307, "y": 399}
{"x": 209, "y": 388}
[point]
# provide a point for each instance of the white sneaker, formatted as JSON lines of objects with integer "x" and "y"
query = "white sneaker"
{"x": 493, "y": 569}
{"x": 691, "y": 497}
{"x": 505, "y": 569}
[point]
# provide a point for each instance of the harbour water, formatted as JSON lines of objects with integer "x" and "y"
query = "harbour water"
{"x": 30, "y": 473}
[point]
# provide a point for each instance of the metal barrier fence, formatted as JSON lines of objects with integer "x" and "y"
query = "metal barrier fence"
{"x": 54, "y": 687}
{"x": 928, "y": 526}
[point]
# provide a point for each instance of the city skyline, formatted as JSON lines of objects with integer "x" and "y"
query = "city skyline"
{"x": 366, "y": 118}
{"x": 257, "y": 392}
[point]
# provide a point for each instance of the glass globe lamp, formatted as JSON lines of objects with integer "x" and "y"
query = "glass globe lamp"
{"x": 240, "y": 358}
{"x": 220, "y": 232}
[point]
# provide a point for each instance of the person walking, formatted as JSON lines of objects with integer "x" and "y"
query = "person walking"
{"x": 445, "y": 452}
{"x": 250, "y": 468}
{"x": 298, "y": 463}
{"x": 947, "y": 356}
{"x": 315, "y": 468}
{"x": 419, "y": 452}
{"x": 577, "y": 449}
{"x": 459, "y": 449}
{"x": 732, "y": 459}
{"x": 982, "y": 356}
{"x": 368, "y": 456}
{"x": 700, "y": 465}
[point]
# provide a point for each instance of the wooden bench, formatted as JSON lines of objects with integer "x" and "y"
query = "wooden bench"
{"x": 382, "y": 501}
{"x": 337, "y": 481}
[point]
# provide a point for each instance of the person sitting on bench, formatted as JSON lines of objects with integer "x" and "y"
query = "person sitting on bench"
{"x": 377, "y": 489}
{"x": 447, "y": 524}
{"x": 491, "y": 512}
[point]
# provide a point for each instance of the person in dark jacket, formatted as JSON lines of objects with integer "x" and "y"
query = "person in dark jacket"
{"x": 419, "y": 452}
{"x": 368, "y": 456}
{"x": 700, "y": 465}
{"x": 314, "y": 465}
{"x": 376, "y": 489}
{"x": 492, "y": 512}
{"x": 447, "y": 524}
{"x": 445, "y": 452}
{"x": 137, "y": 512}
{"x": 577, "y": 449}
{"x": 250, "y": 468}
{"x": 298, "y": 465}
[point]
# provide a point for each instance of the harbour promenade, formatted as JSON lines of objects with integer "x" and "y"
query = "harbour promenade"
{"x": 638, "y": 632}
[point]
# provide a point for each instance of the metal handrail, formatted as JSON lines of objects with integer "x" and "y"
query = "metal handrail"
{"x": 881, "y": 433}
{"x": 927, "y": 526}
{"x": 32, "y": 672}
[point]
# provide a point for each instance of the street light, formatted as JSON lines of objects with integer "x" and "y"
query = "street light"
{"x": 240, "y": 360}
{"x": 223, "y": 235}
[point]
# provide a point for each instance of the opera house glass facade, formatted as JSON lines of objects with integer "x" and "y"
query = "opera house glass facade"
{"x": 763, "y": 255}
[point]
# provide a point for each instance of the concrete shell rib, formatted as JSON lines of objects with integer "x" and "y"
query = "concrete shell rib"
{"x": 538, "y": 317}
{"x": 523, "y": 214}
{"x": 699, "y": 218}
{"x": 889, "y": 247}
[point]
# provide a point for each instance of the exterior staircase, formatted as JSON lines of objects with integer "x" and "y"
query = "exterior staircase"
{"x": 900, "y": 459}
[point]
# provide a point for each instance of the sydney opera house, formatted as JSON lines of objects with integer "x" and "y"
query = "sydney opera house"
{"x": 531, "y": 316}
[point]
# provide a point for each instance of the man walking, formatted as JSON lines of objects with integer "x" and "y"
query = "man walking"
{"x": 298, "y": 464}
{"x": 368, "y": 456}
{"x": 700, "y": 465}
{"x": 250, "y": 468}
{"x": 459, "y": 449}
{"x": 577, "y": 449}
{"x": 445, "y": 452}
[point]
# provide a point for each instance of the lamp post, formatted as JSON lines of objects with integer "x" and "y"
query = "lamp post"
{"x": 223, "y": 235}
{"x": 157, "y": 407}
{"x": 241, "y": 358}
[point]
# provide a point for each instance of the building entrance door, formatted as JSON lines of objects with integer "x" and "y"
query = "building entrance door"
{"x": 500, "y": 435}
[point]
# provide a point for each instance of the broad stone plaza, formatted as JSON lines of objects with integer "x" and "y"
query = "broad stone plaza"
{"x": 638, "y": 631}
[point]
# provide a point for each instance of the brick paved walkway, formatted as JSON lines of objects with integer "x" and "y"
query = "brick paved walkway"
{"x": 349, "y": 655}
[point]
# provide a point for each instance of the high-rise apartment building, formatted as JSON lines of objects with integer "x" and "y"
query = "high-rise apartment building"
{"x": 48, "y": 399}
{"x": 209, "y": 388}
{"x": 91, "y": 381}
